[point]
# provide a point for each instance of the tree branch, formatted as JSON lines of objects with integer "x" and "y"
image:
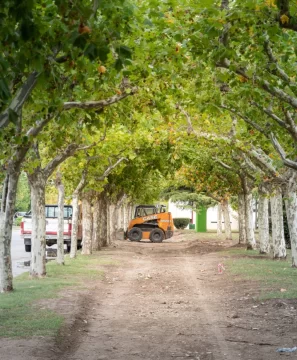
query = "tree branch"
{"x": 110, "y": 168}
{"x": 18, "y": 101}
{"x": 51, "y": 166}
{"x": 292, "y": 128}
{"x": 224, "y": 165}
{"x": 271, "y": 57}
{"x": 246, "y": 119}
{"x": 263, "y": 160}
{"x": 98, "y": 104}
{"x": 190, "y": 127}
{"x": 272, "y": 90}
{"x": 289, "y": 163}
{"x": 34, "y": 131}
{"x": 82, "y": 182}
{"x": 271, "y": 114}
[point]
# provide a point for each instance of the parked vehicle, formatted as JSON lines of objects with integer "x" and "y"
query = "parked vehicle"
{"x": 150, "y": 223}
{"x": 51, "y": 214}
{"x": 19, "y": 214}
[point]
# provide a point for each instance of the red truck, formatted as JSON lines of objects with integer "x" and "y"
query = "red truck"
{"x": 51, "y": 214}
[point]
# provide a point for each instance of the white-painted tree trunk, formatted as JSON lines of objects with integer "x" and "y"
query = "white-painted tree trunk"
{"x": 38, "y": 242}
{"x": 241, "y": 219}
{"x": 103, "y": 220}
{"x": 250, "y": 235}
{"x": 96, "y": 224}
{"x": 111, "y": 224}
{"x": 291, "y": 211}
{"x": 219, "y": 220}
{"x": 130, "y": 212}
{"x": 4, "y": 193}
{"x": 75, "y": 213}
{"x": 263, "y": 224}
{"x": 226, "y": 215}
{"x": 125, "y": 217}
{"x": 60, "y": 234}
{"x": 75, "y": 219}
{"x": 6, "y": 221}
{"x": 278, "y": 237}
{"x": 87, "y": 223}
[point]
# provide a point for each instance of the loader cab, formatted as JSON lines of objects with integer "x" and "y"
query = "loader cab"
{"x": 146, "y": 210}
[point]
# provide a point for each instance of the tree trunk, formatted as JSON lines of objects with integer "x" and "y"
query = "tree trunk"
{"x": 125, "y": 218}
{"x": 130, "y": 212}
{"x": 241, "y": 219}
{"x": 113, "y": 223}
{"x": 103, "y": 220}
{"x": 60, "y": 234}
{"x": 219, "y": 220}
{"x": 256, "y": 214}
{"x": 110, "y": 224}
{"x": 250, "y": 235}
{"x": 87, "y": 222}
{"x": 263, "y": 221}
{"x": 6, "y": 221}
{"x": 226, "y": 215}
{"x": 119, "y": 217}
{"x": 291, "y": 211}
{"x": 278, "y": 237}
{"x": 75, "y": 213}
{"x": 75, "y": 219}
{"x": 4, "y": 193}
{"x": 38, "y": 243}
{"x": 96, "y": 245}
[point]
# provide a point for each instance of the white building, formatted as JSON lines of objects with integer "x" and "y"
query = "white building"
{"x": 211, "y": 217}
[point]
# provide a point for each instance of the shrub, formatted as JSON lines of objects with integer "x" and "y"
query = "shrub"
{"x": 181, "y": 223}
{"x": 17, "y": 221}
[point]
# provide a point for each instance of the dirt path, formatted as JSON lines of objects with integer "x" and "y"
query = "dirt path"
{"x": 167, "y": 301}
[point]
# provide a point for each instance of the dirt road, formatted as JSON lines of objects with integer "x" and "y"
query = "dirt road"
{"x": 167, "y": 301}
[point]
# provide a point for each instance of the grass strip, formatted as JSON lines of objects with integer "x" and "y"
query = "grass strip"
{"x": 20, "y": 315}
{"x": 277, "y": 279}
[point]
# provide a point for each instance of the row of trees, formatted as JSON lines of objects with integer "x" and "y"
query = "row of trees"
{"x": 207, "y": 89}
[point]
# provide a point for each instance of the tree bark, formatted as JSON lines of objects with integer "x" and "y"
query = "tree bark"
{"x": 60, "y": 234}
{"x": 250, "y": 235}
{"x": 278, "y": 237}
{"x": 263, "y": 223}
{"x": 125, "y": 217}
{"x": 96, "y": 224}
{"x": 241, "y": 219}
{"x": 75, "y": 213}
{"x": 37, "y": 183}
{"x": 113, "y": 223}
{"x": 4, "y": 193}
{"x": 219, "y": 220}
{"x": 110, "y": 210}
{"x": 226, "y": 215}
{"x": 87, "y": 222}
{"x": 103, "y": 220}
{"x": 6, "y": 221}
{"x": 291, "y": 211}
{"x": 75, "y": 219}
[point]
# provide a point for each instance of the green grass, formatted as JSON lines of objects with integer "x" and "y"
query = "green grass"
{"x": 20, "y": 314}
{"x": 271, "y": 275}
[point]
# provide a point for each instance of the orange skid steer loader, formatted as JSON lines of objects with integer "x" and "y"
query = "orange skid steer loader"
{"x": 150, "y": 222}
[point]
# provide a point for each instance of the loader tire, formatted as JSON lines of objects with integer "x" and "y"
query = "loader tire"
{"x": 135, "y": 234}
{"x": 157, "y": 236}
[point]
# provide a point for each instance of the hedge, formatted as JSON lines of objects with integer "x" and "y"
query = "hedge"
{"x": 181, "y": 223}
